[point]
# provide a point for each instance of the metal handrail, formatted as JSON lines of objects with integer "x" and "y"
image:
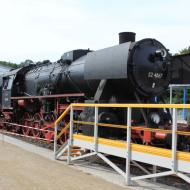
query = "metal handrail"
{"x": 62, "y": 115}
{"x": 57, "y": 136}
{"x": 138, "y": 128}
{"x": 120, "y": 106}
{"x": 132, "y": 105}
{"x": 64, "y": 130}
{"x": 124, "y": 106}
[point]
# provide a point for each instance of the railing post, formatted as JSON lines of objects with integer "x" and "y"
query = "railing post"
{"x": 171, "y": 94}
{"x": 171, "y": 97}
{"x": 70, "y": 141}
{"x": 184, "y": 102}
{"x": 174, "y": 141}
{"x": 55, "y": 141}
{"x": 128, "y": 156}
{"x": 96, "y": 130}
{"x": 154, "y": 169}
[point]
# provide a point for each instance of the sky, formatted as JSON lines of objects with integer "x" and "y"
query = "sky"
{"x": 45, "y": 29}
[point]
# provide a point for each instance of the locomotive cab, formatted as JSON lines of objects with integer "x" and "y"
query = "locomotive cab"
{"x": 6, "y": 91}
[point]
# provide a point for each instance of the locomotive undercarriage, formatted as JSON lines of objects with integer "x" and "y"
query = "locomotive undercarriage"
{"x": 35, "y": 116}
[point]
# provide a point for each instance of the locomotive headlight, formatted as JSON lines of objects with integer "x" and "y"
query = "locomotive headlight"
{"x": 160, "y": 55}
{"x": 161, "y": 52}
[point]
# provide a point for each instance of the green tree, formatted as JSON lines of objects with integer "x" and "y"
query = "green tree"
{"x": 184, "y": 51}
{"x": 14, "y": 65}
{"x": 9, "y": 64}
{"x": 178, "y": 94}
{"x": 26, "y": 63}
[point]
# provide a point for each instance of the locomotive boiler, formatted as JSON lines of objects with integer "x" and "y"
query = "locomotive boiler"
{"x": 131, "y": 72}
{"x": 142, "y": 66}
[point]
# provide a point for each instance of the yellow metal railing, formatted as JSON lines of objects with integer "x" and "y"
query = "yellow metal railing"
{"x": 64, "y": 130}
{"x": 132, "y": 105}
{"x": 179, "y": 106}
{"x": 171, "y": 156}
{"x": 62, "y": 115}
{"x": 134, "y": 127}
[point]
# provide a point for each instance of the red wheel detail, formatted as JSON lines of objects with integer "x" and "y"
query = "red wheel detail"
{"x": 27, "y": 122}
{"x": 2, "y": 120}
{"x": 49, "y": 119}
{"x": 49, "y": 136}
{"x": 36, "y": 124}
{"x": 17, "y": 129}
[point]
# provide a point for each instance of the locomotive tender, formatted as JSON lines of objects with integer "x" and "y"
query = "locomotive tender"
{"x": 131, "y": 72}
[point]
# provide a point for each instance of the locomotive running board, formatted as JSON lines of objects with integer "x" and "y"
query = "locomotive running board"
{"x": 48, "y": 96}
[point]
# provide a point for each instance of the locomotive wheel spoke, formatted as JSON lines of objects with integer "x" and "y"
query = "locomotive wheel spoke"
{"x": 17, "y": 129}
{"x": 2, "y": 125}
{"x": 27, "y": 122}
{"x": 37, "y": 125}
{"x": 49, "y": 119}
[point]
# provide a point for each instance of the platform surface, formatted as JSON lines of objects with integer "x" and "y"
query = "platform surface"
{"x": 146, "y": 154}
{"x": 87, "y": 167}
{"x": 21, "y": 170}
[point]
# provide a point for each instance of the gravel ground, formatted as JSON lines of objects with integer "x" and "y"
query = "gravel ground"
{"x": 23, "y": 170}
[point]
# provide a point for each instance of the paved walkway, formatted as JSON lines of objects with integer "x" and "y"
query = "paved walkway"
{"x": 23, "y": 170}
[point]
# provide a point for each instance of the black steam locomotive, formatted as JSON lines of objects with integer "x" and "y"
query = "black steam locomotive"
{"x": 131, "y": 72}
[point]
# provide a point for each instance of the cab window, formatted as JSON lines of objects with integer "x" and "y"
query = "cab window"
{"x": 7, "y": 82}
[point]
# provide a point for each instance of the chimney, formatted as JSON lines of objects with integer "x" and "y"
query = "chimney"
{"x": 126, "y": 37}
